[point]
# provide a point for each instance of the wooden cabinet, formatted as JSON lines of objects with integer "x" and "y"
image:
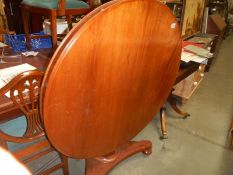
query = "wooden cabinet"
{"x": 191, "y": 24}
{"x": 186, "y": 88}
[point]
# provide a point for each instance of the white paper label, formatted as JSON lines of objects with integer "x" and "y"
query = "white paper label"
{"x": 173, "y": 25}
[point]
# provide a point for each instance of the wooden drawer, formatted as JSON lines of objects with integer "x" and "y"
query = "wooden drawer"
{"x": 186, "y": 87}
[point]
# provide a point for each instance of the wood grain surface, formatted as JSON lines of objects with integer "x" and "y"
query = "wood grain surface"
{"x": 110, "y": 76}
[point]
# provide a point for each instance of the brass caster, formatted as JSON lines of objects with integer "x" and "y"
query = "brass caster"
{"x": 147, "y": 151}
{"x": 164, "y": 136}
{"x": 186, "y": 116}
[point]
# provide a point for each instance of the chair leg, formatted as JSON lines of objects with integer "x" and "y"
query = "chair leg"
{"x": 65, "y": 168}
{"x": 54, "y": 29}
{"x": 25, "y": 16}
{"x": 69, "y": 21}
{"x": 163, "y": 123}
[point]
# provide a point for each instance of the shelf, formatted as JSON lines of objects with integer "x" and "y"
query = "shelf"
{"x": 217, "y": 3}
{"x": 172, "y": 1}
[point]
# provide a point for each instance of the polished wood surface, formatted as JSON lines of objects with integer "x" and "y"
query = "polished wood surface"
{"x": 110, "y": 76}
{"x": 24, "y": 93}
{"x": 9, "y": 111}
{"x": 103, "y": 165}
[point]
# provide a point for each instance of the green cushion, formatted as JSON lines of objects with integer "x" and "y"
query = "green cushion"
{"x": 52, "y": 4}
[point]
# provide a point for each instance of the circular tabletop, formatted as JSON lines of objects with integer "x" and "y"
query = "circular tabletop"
{"x": 110, "y": 76}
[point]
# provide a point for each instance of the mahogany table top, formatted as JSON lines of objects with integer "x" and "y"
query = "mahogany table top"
{"x": 110, "y": 76}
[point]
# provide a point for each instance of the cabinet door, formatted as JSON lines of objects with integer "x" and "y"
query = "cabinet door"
{"x": 13, "y": 13}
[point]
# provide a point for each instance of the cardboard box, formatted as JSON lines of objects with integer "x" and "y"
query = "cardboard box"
{"x": 62, "y": 26}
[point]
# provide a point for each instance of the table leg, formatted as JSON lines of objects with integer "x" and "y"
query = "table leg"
{"x": 163, "y": 123}
{"x": 172, "y": 102}
{"x": 103, "y": 165}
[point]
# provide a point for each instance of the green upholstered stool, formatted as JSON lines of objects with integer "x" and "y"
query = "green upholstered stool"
{"x": 53, "y": 4}
{"x": 52, "y": 8}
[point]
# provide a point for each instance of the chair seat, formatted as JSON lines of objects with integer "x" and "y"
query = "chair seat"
{"x": 52, "y": 4}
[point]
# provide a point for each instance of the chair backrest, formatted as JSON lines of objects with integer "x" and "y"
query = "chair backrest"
{"x": 24, "y": 92}
{"x": 110, "y": 76}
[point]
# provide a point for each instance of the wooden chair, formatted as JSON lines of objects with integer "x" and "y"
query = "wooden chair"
{"x": 53, "y": 9}
{"x": 24, "y": 92}
{"x": 108, "y": 79}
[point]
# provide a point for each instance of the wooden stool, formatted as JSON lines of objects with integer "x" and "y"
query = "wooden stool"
{"x": 52, "y": 9}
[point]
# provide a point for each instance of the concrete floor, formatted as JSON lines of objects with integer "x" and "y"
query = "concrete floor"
{"x": 197, "y": 145}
